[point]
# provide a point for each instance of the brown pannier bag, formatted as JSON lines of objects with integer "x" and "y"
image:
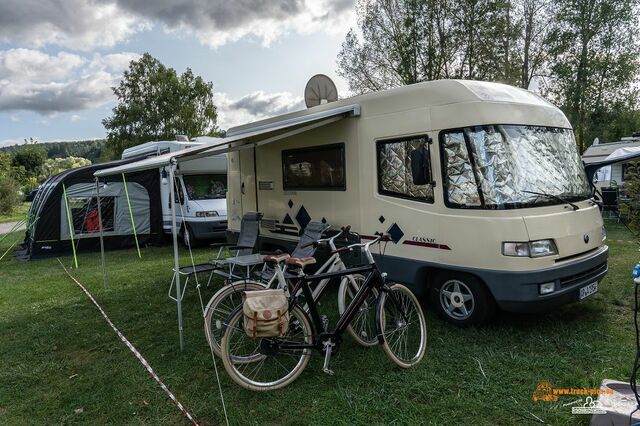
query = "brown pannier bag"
{"x": 266, "y": 313}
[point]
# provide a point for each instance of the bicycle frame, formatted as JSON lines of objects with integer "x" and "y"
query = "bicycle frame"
{"x": 333, "y": 264}
{"x": 374, "y": 279}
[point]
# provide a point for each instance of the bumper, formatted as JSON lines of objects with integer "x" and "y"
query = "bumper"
{"x": 208, "y": 230}
{"x": 518, "y": 291}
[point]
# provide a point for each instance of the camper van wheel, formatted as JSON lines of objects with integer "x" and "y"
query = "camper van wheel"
{"x": 461, "y": 299}
{"x": 187, "y": 237}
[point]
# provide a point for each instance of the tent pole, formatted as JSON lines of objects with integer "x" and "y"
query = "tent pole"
{"x": 176, "y": 259}
{"x": 133, "y": 223}
{"x": 73, "y": 244}
{"x": 104, "y": 269}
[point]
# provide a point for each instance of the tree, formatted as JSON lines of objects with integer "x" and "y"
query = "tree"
{"x": 53, "y": 166}
{"x": 595, "y": 61}
{"x": 30, "y": 158}
{"x": 155, "y": 103}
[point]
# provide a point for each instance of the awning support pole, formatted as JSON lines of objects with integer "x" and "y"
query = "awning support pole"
{"x": 104, "y": 269}
{"x": 133, "y": 223}
{"x": 73, "y": 244}
{"x": 176, "y": 259}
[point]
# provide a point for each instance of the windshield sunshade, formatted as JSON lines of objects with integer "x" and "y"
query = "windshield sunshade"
{"x": 508, "y": 163}
{"x": 205, "y": 187}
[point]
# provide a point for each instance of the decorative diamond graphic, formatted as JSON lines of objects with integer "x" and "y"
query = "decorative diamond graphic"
{"x": 290, "y": 203}
{"x": 287, "y": 219}
{"x": 395, "y": 232}
{"x": 324, "y": 220}
{"x": 381, "y": 219}
{"x": 303, "y": 217}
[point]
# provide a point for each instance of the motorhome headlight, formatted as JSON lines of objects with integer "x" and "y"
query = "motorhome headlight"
{"x": 536, "y": 248}
{"x": 604, "y": 233}
{"x": 515, "y": 249}
{"x": 211, "y": 213}
{"x": 541, "y": 248}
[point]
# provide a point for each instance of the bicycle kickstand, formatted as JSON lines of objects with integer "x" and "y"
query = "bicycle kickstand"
{"x": 328, "y": 347}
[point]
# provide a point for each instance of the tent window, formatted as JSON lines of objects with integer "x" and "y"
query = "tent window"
{"x": 395, "y": 177}
{"x": 315, "y": 168}
{"x": 84, "y": 214}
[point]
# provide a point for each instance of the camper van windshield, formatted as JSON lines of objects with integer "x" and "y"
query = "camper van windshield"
{"x": 508, "y": 164}
{"x": 205, "y": 186}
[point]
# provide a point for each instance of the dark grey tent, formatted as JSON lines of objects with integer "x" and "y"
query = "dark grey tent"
{"x": 64, "y": 214}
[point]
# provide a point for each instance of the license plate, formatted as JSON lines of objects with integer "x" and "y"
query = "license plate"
{"x": 588, "y": 290}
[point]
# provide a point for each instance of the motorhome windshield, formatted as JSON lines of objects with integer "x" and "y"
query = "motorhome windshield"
{"x": 511, "y": 167}
{"x": 205, "y": 186}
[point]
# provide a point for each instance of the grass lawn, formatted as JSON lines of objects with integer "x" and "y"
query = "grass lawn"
{"x": 59, "y": 356}
{"x": 19, "y": 213}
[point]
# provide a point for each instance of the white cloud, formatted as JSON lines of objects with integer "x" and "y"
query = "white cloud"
{"x": 254, "y": 106}
{"x": 220, "y": 22}
{"x": 14, "y": 119}
{"x": 75, "y": 24}
{"x": 75, "y": 118}
{"x": 87, "y": 24}
{"x": 10, "y": 142}
{"x": 32, "y": 80}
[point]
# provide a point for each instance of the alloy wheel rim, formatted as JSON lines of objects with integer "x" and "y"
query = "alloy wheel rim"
{"x": 457, "y": 300}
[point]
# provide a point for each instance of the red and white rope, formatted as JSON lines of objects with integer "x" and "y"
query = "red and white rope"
{"x": 132, "y": 348}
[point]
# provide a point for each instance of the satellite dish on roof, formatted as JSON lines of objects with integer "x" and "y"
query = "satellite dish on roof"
{"x": 320, "y": 90}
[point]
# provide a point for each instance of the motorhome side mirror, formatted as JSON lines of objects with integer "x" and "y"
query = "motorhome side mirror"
{"x": 420, "y": 167}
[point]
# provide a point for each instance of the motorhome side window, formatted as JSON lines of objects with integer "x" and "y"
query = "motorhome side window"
{"x": 404, "y": 169}
{"x": 314, "y": 168}
{"x": 511, "y": 166}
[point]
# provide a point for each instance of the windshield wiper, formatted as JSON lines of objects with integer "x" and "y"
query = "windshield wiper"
{"x": 554, "y": 197}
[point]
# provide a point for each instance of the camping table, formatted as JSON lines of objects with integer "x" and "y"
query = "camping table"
{"x": 246, "y": 261}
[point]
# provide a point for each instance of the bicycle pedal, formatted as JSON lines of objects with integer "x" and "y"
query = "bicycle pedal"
{"x": 328, "y": 348}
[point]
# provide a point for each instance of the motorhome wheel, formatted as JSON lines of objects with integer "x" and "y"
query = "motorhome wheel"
{"x": 187, "y": 238}
{"x": 461, "y": 299}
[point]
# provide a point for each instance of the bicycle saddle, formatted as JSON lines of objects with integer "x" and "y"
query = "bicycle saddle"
{"x": 276, "y": 258}
{"x": 301, "y": 262}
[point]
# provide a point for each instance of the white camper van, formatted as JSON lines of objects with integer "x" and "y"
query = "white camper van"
{"x": 479, "y": 184}
{"x": 200, "y": 190}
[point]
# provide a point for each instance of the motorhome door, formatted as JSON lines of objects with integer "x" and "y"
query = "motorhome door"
{"x": 241, "y": 197}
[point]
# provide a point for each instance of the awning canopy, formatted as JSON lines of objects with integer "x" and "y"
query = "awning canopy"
{"x": 620, "y": 155}
{"x": 254, "y": 136}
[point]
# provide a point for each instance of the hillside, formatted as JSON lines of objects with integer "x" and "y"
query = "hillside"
{"x": 93, "y": 150}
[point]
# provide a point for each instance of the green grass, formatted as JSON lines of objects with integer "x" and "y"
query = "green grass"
{"x": 19, "y": 213}
{"x": 58, "y": 355}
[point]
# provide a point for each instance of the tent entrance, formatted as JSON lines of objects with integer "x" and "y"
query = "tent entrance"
{"x": 116, "y": 218}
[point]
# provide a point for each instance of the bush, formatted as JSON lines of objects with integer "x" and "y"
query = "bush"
{"x": 9, "y": 196}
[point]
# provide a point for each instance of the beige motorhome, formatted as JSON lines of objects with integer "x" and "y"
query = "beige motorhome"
{"x": 479, "y": 184}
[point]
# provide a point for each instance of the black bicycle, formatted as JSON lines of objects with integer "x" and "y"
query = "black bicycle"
{"x": 271, "y": 363}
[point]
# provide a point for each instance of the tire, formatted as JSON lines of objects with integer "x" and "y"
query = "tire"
{"x": 246, "y": 348}
{"x": 461, "y": 299}
{"x": 363, "y": 325}
{"x": 221, "y": 305}
{"x": 187, "y": 237}
{"x": 399, "y": 309}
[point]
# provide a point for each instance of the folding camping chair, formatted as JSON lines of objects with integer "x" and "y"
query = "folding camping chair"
{"x": 304, "y": 248}
{"x": 249, "y": 227}
{"x": 243, "y": 257}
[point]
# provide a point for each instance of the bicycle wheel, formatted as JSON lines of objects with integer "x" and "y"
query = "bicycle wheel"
{"x": 403, "y": 326}
{"x": 259, "y": 364}
{"x": 221, "y": 305}
{"x": 363, "y": 325}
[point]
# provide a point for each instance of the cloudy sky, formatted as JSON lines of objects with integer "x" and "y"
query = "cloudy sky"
{"x": 59, "y": 58}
